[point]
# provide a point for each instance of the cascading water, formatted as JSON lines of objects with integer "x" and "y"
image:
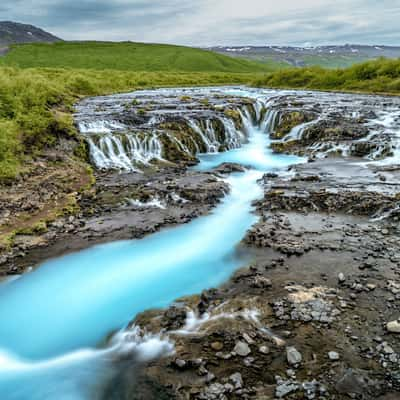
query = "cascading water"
{"x": 76, "y": 300}
{"x": 270, "y": 120}
{"x": 123, "y": 150}
{"x": 297, "y": 132}
{"x": 207, "y": 136}
{"x": 54, "y": 317}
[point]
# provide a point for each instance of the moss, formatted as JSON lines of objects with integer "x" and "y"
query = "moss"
{"x": 81, "y": 150}
{"x": 289, "y": 120}
{"x": 186, "y": 99}
{"x": 38, "y": 228}
{"x": 235, "y": 116}
{"x": 283, "y": 147}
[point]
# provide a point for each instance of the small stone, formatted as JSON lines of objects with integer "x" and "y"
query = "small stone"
{"x": 341, "y": 277}
{"x": 285, "y": 388}
{"x": 393, "y": 326}
{"x": 242, "y": 349}
{"x": 180, "y": 363}
{"x": 333, "y": 356}
{"x": 264, "y": 349}
{"x": 248, "y": 339}
{"x": 291, "y": 373}
{"x": 387, "y": 349}
{"x": 217, "y": 346}
{"x": 293, "y": 356}
{"x": 237, "y": 380}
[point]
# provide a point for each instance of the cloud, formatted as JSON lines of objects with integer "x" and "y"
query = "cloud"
{"x": 210, "y": 22}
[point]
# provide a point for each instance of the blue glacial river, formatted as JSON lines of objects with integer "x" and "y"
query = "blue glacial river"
{"x": 53, "y": 318}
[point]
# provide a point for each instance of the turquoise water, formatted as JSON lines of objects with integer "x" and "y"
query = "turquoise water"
{"x": 52, "y": 319}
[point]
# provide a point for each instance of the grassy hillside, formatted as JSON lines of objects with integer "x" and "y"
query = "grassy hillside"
{"x": 125, "y": 57}
{"x": 379, "y": 76}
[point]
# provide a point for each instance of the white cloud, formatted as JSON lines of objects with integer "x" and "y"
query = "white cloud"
{"x": 211, "y": 22}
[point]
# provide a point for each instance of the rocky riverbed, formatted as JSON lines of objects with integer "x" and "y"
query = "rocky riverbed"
{"x": 315, "y": 316}
{"x": 316, "y": 313}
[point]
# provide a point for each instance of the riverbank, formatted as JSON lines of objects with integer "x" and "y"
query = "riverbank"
{"x": 299, "y": 321}
{"x": 314, "y": 314}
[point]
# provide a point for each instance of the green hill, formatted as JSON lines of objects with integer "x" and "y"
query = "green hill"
{"x": 126, "y": 56}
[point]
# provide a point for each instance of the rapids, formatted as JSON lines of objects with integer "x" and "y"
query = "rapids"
{"x": 55, "y": 320}
{"x": 54, "y": 317}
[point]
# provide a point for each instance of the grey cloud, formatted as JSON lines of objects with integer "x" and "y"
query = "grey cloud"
{"x": 194, "y": 23}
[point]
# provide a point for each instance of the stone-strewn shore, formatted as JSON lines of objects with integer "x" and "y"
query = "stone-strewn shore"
{"x": 316, "y": 314}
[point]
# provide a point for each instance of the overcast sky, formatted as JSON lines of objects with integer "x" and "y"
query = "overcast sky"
{"x": 214, "y": 22}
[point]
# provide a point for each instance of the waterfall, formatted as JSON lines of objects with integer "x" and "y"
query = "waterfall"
{"x": 234, "y": 137}
{"x": 258, "y": 107}
{"x": 100, "y": 126}
{"x": 269, "y": 123}
{"x": 122, "y": 151}
{"x": 115, "y": 146}
{"x": 296, "y": 133}
{"x": 208, "y": 136}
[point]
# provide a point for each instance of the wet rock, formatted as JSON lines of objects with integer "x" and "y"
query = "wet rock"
{"x": 237, "y": 380}
{"x": 242, "y": 349}
{"x": 333, "y": 356}
{"x": 261, "y": 282}
{"x": 217, "y": 346}
{"x": 284, "y": 388}
{"x": 393, "y": 326}
{"x": 228, "y": 168}
{"x": 181, "y": 364}
{"x": 351, "y": 382}
{"x": 174, "y": 318}
{"x": 213, "y": 391}
{"x": 293, "y": 356}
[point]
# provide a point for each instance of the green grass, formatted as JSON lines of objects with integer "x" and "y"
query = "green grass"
{"x": 36, "y": 104}
{"x": 125, "y": 57}
{"x": 378, "y": 76}
{"x": 333, "y": 61}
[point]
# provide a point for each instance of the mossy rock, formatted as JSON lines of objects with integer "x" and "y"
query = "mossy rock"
{"x": 288, "y": 121}
{"x": 284, "y": 147}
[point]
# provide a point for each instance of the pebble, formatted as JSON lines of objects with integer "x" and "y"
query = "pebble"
{"x": 333, "y": 356}
{"x": 217, "y": 346}
{"x": 393, "y": 326}
{"x": 294, "y": 357}
{"x": 242, "y": 349}
{"x": 264, "y": 349}
{"x": 237, "y": 380}
{"x": 341, "y": 277}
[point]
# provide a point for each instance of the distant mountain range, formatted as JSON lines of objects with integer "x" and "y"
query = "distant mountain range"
{"x": 327, "y": 56}
{"x": 276, "y": 56}
{"x": 13, "y": 32}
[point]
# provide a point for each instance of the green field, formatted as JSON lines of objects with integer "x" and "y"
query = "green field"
{"x": 378, "y": 76}
{"x": 126, "y": 57}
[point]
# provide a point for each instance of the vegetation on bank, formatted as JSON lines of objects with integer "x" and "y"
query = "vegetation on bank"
{"x": 378, "y": 76}
{"x": 126, "y": 56}
{"x": 36, "y": 105}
